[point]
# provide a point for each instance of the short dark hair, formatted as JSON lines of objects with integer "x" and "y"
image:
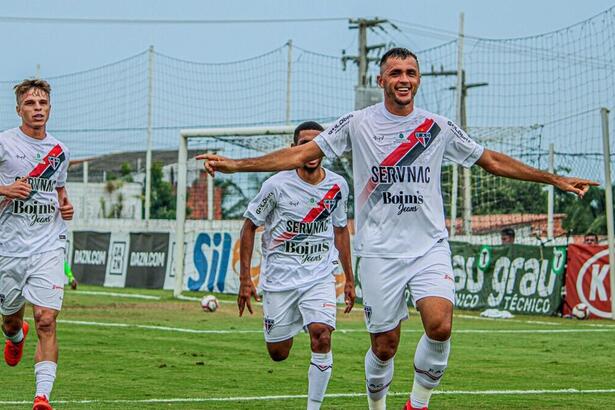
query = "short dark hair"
{"x": 591, "y": 234}
{"x": 26, "y": 85}
{"x": 304, "y": 126}
{"x": 508, "y": 232}
{"x": 398, "y": 52}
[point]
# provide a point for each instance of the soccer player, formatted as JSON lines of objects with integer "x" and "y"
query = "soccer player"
{"x": 304, "y": 215}
{"x": 33, "y": 207}
{"x": 401, "y": 237}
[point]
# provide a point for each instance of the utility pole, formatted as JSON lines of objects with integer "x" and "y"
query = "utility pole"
{"x": 363, "y": 59}
{"x": 365, "y": 93}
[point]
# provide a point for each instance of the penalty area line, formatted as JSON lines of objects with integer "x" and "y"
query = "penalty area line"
{"x": 342, "y": 331}
{"x": 114, "y": 294}
{"x": 330, "y": 396}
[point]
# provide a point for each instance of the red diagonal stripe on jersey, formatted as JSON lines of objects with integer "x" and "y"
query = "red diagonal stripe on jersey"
{"x": 395, "y": 156}
{"x": 312, "y": 213}
{"x": 44, "y": 164}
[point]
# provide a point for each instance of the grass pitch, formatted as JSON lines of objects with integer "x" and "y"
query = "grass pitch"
{"x": 118, "y": 352}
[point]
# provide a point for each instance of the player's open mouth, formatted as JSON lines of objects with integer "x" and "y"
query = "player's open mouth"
{"x": 39, "y": 117}
{"x": 403, "y": 90}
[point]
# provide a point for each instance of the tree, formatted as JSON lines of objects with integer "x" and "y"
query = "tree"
{"x": 163, "y": 197}
{"x": 583, "y": 215}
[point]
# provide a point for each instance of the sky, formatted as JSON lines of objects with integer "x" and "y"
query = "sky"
{"x": 62, "y": 48}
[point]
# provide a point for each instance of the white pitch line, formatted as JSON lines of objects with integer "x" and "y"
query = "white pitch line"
{"x": 531, "y": 322}
{"x": 117, "y": 295}
{"x": 238, "y": 331}
{"x": 331, "y": 396}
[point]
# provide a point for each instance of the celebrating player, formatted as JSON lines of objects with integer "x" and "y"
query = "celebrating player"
{"x": 401, "y": 237}
{"x": 304, "y": 214}
{"x": 33, "y": 207}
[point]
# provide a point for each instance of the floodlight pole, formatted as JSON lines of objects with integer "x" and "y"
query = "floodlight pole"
{"x": 86, "y": 180}
{"x": 459, "y": 118}
{"x": 608, "y": 194}
{"x": 150, "y": 116}
{"x": 289, "y": 70}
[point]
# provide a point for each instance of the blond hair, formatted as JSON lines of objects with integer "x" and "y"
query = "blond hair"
{"x": 26, "y": 85}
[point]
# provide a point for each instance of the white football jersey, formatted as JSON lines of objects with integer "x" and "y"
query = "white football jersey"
{"x": 298, "y": 242}
{"x": 397, "y": 163}
{"x": 33, "y": 225}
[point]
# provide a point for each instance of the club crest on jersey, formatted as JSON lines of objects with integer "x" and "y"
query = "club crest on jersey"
{"x": 54, "y": 161}
{"x": 423, "y": 137}
{"x": 368, "y": 312}
{"x": 329, "y": 204}
{"x": 268, "y": 324}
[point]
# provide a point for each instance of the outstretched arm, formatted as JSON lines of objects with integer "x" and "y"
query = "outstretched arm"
{"x": 246, "y": 286}
{"x": 282, "y": 159}
{"x": 502, "y": 165}
{"x": 342, "y": 243}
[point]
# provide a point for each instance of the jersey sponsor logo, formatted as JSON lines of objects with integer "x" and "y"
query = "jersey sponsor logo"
{"x": 89, "y": 257}
{"x": 308, "y": 228}
{"x": 261, "y": 207}
{"x": 40, "y": 184}
{"x": 404, "y": 155}
{"x": 340, "y": 124}
{"x": 147, "y": 259}
{"x": 36, "y": 212}
{"x": 310, "y": 252}
{"x": 410, "y": 173}
{"x": 405, "y": 202}
{"x": 320, "y": 212}
{"x": 458, "y": 132}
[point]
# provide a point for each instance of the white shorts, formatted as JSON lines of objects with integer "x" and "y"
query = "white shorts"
{"x": 384, "y": 282}
{"x": 286, "y": 313}
{"x": 38, "y": 278}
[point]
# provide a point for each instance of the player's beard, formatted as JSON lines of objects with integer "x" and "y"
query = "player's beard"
{"x": 402, "y": 103}
{"x": 312, "y": 169}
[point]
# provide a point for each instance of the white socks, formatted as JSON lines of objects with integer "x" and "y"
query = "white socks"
{"x": 16, "y": 338}
{"x": 430, "y": 362}
{"x": 45, "y": 373}
{"x": 318, "y": 378}
{"x": 378, "y": 377}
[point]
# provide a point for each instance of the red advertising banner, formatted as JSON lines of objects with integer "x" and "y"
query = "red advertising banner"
{"x": 587, "y": 280}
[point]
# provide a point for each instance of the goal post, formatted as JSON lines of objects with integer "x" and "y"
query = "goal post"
{"x": 251, "y": 140}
